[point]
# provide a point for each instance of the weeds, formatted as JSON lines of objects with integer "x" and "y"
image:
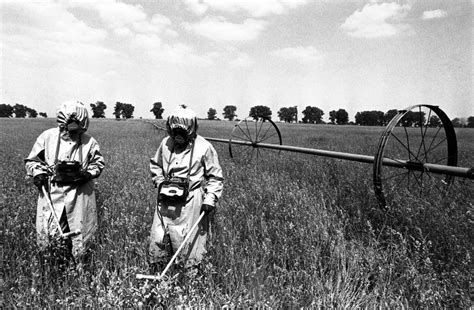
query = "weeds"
{"x": 291, "y": 231}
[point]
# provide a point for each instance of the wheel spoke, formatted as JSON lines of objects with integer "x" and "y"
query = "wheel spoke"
{"x": 259, "y": 130}
{"x": 417, "y": 179}
{"x": 272, "y": 135}
{"x": 266, "y": 131}
{"x": 245, "y": 134}
{"x": 407, "y": 176}
{"x": 397, "y": 160}
{"x": 424, "y": 135}
{"x": 408, "y": 143}
{"x": 434, "y": 138}
{"x": 394, "y": 176}
{"x": 437, "y": 145}
{"x": 439, "y": 160}
{"x": 422, "y": 142}
{"x": 256, "y": 131}
{"x": 406, "y": 147}
{"x": 248, "y": 130}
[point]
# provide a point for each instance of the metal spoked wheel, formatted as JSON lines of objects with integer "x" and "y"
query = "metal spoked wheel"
{"x": 248, "y": 133}
{"x": 419, "y": 135}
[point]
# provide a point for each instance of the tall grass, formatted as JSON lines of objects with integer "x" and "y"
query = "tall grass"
{"x": 290, "y": 231}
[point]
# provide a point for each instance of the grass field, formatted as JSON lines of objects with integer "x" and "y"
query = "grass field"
{"x": 292, "y": 231}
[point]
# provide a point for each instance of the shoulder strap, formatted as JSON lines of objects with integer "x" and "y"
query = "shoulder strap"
{"x": 57, "y": 147}
{"x": 79, "y": 148}
{"x": 190, "y": 161}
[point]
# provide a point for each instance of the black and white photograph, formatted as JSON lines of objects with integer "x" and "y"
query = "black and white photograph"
{"x": 236, "y": 154}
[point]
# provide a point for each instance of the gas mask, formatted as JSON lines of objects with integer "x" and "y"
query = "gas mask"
{"x": 74, "y": 129}
{"x": 180, "y": 137}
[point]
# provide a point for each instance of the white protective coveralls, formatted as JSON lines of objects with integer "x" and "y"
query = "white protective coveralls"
{"x": 205, "y": 187}
{"x": 76, "y": 203}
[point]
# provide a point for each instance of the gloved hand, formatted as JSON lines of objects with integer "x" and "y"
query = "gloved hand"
{"x": 207, "y": 208}
{"x": 83, "y": 178}
{"x": 40, "y": 180}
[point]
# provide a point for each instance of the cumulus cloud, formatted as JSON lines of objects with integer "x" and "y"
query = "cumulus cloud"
{"x": 184, "y": 54}
{"x": 301, "y": 54}
{"x": 242, "y": 60}
{"x": 47, "y": 22}
{"x": 377, "y": 20}
{"x": 219, "y": 29}
{"x": 256, "y": 8}
{"x": 434, "y": 14}
{"x": 118, "y": 17}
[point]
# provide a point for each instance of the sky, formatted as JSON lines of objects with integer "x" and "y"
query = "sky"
{"x": 354, "y": 55}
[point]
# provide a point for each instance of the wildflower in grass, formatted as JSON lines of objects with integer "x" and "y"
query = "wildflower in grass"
{"x": 187, "y": 172}
{"x": 63, "y": 162}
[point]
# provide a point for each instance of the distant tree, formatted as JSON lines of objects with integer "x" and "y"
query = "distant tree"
{"x": 31, "y": 112}
{"x": 434, "y": 121}
{"x": 470, "y": 122}
{"x": 288, "y": 115}
{"x": 229, "y": 112}
{"x": 340, "y": 117}
{"x": 43, "y": 114}
{"x": 369, "y": 118}
{"x": 388, "y": 116}
{"x": 6, "y": 110}
{"x": 127, "y": 110}
{"x": 211, "y": 114}
{"x": 457, "y": 122}
{"x": 118, "y": 110}
{"x": 313, "y": 115}
{"x": 124, "y": 110}
{"x": 98, "y": 109}
{"x": 413, "y": 118}
{"x": 157, "y": 110}
{"x": 260, "y": 111}
{"x": 19, "y": 110}
{"x": 332, "y": 116}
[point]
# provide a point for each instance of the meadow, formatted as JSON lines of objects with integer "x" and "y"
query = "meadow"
{"x": 291, "y": 230}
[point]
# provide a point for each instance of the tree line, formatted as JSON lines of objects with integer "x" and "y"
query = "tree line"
{"x": 311, "y": 114}
{"x": 19, "y": 111}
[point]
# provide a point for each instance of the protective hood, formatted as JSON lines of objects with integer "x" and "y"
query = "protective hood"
{"x": 73, "y": 111}
{"x": 183, "y": 118}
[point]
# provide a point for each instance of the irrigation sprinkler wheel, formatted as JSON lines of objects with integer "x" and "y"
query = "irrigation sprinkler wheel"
{"x": 248, "y": 133}
{"x": 421, "y": 134}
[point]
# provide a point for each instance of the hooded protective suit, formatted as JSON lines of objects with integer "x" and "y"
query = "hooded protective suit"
{"x": 75, "y": 204}
{"x": 199, "y": 161}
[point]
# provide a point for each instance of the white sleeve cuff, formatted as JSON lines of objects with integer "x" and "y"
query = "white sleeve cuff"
{"x": 210, "y": 199}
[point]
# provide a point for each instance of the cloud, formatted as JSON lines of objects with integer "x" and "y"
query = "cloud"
{"x": 45, "y": 21}
{"x": 377, "y": 20}
{"x": 434, "y": 14}
{"x": 180, "y": 53}
{"x": 219, "y": 29}
{"x": 301, "y": 54}
{"x": 242, "y": 60}
{"x": 118, "y": 16}
{"x": 256, "y": 8}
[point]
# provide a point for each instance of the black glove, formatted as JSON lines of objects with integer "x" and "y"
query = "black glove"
{"x": 40, "y": 180}
{"x": 207, "y": 208}
{"x": 83, "y": 178}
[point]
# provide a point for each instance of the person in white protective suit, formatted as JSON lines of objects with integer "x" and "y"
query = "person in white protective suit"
{"x": 186, "y": 171}
{"x": 65, "y": 160}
